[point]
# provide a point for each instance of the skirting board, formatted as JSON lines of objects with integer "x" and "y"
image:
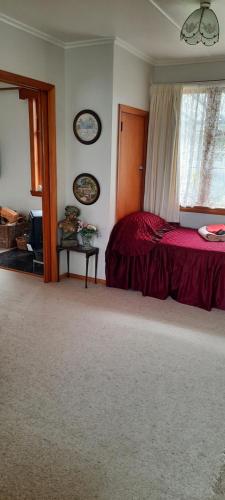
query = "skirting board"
{"x": 31, "y": 275}
{"x": 81, "y": 277}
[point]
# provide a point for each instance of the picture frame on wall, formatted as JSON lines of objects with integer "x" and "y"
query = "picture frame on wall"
{"x": 87, "y": 126}
{"x": 86, "y": 189}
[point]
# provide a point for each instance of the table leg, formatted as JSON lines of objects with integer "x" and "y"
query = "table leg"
{"x": 58, "y": 257}
{"x": 86, "y": 277}
{"x": 96, "y": 266}
{"x": 68, "y": 263}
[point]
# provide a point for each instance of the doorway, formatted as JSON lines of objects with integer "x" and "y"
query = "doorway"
{"x": 40, "y": 97}
{"x": 132, "y": 146}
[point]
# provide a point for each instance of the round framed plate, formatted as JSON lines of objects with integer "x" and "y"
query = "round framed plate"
{"x": 87, "y": 126}
{"x": 86, "y": 189}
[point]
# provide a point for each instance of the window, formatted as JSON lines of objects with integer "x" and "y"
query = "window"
{"x": 35, "y": 140}
{"x": 202, "y": 148}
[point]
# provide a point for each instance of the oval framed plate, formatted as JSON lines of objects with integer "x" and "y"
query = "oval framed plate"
{"x": 86, "y": 189}
{"x": 87, "y": 126}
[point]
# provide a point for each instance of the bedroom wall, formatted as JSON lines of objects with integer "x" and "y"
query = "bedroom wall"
{"x": 100, "y": 77}
{"x": 27, "y": 55}
{"x": 191, "y": 73}
{"x": 132, "y": 78}
{"x": 15, "y": 171}
{"x": 97, "y": 77}
{"x": 89, "y": 85}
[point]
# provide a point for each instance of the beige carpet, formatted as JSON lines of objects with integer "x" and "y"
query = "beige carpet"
{"x": 108, "y": 395}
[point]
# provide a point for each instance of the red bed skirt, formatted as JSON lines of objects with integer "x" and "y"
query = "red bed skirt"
{"x": 182, "y": 265}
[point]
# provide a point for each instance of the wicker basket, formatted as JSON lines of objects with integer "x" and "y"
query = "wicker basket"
{"x": 21, "y": 242}
{"x": 9, "y": 233}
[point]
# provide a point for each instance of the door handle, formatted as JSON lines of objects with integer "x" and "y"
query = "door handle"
{"x": 141, "y": 167}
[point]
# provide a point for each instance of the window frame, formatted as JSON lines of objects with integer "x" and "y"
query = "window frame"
{"x": 203, "y": 210}
{"x": 33, "y": 98}
{"x": 188, "y": 89}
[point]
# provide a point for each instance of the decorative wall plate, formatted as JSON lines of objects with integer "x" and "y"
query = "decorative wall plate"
{"x": 87, "y": 126}
{"x": 86, "y": 189}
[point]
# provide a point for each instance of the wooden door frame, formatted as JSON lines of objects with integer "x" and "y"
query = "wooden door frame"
{"x": 49, "y": 195}
{"x": 122, "y": 108}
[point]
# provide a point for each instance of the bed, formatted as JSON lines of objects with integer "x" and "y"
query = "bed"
{"x": 147, "y": 254}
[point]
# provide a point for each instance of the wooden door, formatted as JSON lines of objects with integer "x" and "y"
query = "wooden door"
{"x": 132, "y": 145}
{"x": 47, "y": 146}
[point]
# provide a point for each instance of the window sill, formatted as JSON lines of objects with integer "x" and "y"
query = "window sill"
{"x": 39, "y": 193}
{"x": 204, "y": 210}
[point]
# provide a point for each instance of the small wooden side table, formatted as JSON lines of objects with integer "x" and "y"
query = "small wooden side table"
{"x": 80, "y": 249}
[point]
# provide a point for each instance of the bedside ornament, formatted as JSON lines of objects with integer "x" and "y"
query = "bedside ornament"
{"x": 69, "y": 226}
{"x": 86, "y": 189}
{"x": 87, "y": 126}
{"x": 87, "y": 231}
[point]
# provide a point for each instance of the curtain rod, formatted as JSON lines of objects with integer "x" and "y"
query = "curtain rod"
{"x": 204, "y": 82}
{"x": 193, "y": 82}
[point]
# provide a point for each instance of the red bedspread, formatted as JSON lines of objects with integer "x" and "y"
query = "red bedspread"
{"x": 137, "y": 233}
{"x": 180, "y": 264}
{"x": 189, "y": 238}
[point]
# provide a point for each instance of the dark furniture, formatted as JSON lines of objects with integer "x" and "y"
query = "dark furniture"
{"x": 160, "y": 260}
{"x": 36, "y": 237}
{"x": 80, "y": 249}
{"x": 38, "y": 259}
{"x": 19, "y": 260}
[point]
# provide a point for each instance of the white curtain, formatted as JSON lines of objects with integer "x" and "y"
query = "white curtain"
{"x": 202, "y": 146}
{"x": 162, "y": 166}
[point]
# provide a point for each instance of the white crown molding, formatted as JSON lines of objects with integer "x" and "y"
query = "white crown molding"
{"x": 89, "y": 42}
{"x": 193, "y": 60}
{"x": 110, "y": 40}
{"x": 130, "y": 48}
{"x": 107, "y": 40}
{"x": 32, "y": 31}
{"x": 163, "y": 12}
{"x": 76, "y": 44}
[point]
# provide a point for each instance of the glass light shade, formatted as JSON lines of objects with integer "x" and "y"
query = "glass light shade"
{"x": 201, "y": 26}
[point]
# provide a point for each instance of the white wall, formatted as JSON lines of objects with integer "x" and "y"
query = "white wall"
{"x": 95, "y": 77}
{"x": 30, "y": 56}
{"x": 15, "y": 170}
{"x": 190, "y": 73}
{"x": 89, "y": 85}
{"x": 100, "y": 78}
{"x": 132, "y": 78}
{"x": 196, "y": 220}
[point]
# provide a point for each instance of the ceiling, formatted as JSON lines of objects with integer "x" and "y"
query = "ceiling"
{"x": 150, "y": 26}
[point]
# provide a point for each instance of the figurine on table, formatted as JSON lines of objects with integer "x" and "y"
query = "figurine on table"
{"x": 69, "y": 226}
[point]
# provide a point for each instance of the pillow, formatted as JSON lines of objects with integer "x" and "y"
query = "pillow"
{"x": 137, "y": 233}
{"x": 143, "y": 224}
{"x": 215, "y": 228}
{"x": 210, "y": 236}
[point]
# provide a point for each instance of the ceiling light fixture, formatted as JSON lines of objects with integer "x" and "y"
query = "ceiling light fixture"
{"x": 201, "y": 26}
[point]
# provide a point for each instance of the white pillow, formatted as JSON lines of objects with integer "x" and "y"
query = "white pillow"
{"x": 210, "y": 236}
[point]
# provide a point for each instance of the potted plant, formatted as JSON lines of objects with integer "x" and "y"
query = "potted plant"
{"x": 87, "y": 231}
